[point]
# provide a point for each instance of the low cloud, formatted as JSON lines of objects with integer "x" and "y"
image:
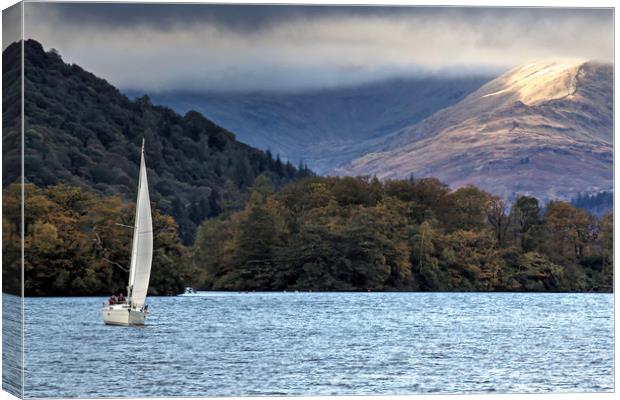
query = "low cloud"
{"x": 204, "y": 47}
{"x": 11, "y": 25}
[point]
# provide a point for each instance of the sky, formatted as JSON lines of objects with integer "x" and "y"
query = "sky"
{"x": 199, "y": 47}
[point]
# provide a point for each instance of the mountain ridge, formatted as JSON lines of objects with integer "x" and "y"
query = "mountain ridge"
{"x": 491, "y": 136}
{"x": 325, "y": 127}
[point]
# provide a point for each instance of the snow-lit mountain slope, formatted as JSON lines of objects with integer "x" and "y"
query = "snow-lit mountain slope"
{"x": 544, "y": 129}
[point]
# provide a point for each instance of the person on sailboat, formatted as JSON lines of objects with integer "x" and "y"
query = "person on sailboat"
{"x": 112, "y": 300}
{"x": 121, "y": 298}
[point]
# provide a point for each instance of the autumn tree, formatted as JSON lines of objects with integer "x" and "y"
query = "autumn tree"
{"x": 569, "y": 231}
{"x": 497, "y": 218}
{"x": 525, "y": 222}
{"x": 468, "y": 209}
{"x": 78, "y": 243}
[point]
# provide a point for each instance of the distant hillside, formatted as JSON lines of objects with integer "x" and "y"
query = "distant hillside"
{"x": 544, "y": 129}
{"x": 324, "y": 128}
{"x": 598, "y": 204}
{"x": 81, "y": 131}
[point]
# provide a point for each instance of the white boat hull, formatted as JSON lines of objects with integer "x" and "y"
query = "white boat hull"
{"x": 122, "y": 314}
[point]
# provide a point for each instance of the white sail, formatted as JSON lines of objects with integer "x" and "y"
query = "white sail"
{"x": 142, "y": 248}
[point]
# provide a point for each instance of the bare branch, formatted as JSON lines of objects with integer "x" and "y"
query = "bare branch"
{"x": 116, "y": 264}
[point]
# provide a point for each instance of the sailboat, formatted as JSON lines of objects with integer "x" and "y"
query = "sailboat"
{"x": 135, "y": 310}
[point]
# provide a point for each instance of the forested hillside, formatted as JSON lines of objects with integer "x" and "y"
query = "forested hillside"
{"x": 81, "y": 131}
{"x": 11, "y": 114}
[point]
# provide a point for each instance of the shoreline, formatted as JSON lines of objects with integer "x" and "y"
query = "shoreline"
{"x": 230, "y": 292}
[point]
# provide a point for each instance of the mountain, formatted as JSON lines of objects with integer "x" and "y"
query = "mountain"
{"x": 325, "y": 127}
{"x": 544, "y": 129}
{"x": 81, "y": 131}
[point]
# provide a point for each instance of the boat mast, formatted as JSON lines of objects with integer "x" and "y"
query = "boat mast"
{"x": 134, "y": 243}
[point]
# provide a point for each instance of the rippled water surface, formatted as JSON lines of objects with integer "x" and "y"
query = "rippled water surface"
{"x": 323, "y": 343}
{"x": 12, "y": 343}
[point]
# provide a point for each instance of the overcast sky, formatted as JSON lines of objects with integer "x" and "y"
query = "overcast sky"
{"x": 162, "y": 47}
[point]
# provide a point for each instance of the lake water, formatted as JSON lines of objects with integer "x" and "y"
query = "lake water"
{"x": 323, "y": 343}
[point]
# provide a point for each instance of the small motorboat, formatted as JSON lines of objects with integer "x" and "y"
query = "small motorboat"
{"x": 189, "y": 292}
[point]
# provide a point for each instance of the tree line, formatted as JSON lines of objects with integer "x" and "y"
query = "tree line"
{"x": 319, "y": 233}
{"x": 79, "y": 243}
{"x": 596, "y": 203}
{"x": 329, "y": 233}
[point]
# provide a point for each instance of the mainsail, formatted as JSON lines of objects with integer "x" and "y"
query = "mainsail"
{"x": 142, "y": 248}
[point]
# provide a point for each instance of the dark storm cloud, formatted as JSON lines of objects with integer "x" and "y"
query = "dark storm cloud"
{"x": 253, "y": 17}
{"x": 165, "y": 16}
{"x": 235, "y": 47}
{"x": 248, "y": 18}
